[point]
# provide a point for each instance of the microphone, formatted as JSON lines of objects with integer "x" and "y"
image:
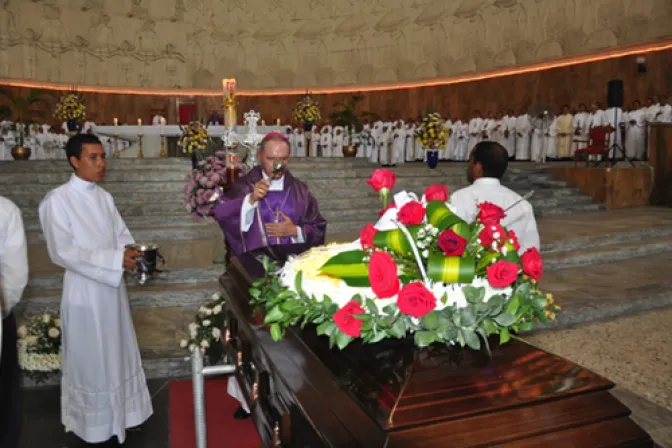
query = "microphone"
{"x": 524, "y": 198}
{"x": 278, "y": 168}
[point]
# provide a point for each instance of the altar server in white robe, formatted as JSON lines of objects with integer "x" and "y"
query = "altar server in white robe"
{"x": 289, "y": 133}
{"x": 475, "y": 129}
{"x": 580, "y": 125}
{"x": 314, "y": 142}
{"x": 487, "y": 165}
{"x": 489, "y": 126}
{"x": 537, "y": 141}
{"x": 398, "y": 143}
{"x": 523, "y": 131}
{"x": 103, "y": 385}
{"x": 365, "y": 141}
{"x": 461, "y": 136}
{"x": 385, "y": 156}
{"x": 337, "y": 142}
{"x": 654, "y": 111}
{"x": 498, "y": 131}
{"x": 375, "y": 147}
{"x": 300, "y": 142}
{"x": 666, "y": 110}
{"x": 550, "y": 140}
{"x": 635, "y": 134}
{"x": 326, "y": 139}
{"x": 445, "y": 154}
{"x": 409, "y": 142}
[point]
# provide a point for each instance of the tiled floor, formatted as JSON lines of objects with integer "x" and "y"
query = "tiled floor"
{"x": 41, "y": 426}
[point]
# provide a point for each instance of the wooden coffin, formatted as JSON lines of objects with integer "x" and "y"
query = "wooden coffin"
{"x": 391, "y": 394}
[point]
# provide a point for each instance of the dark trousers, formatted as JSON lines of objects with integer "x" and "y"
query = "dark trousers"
{"x": 10, "y": 389}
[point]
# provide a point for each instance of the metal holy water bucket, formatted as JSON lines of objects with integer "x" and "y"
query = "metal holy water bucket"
{"x": 147, "y": 262}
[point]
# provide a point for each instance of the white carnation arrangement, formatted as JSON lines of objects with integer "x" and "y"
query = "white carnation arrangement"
{"x": 204, "y": 331}
{"x": 39, "y": 346}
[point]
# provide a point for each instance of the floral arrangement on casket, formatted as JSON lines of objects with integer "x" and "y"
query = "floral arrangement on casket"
{"x": 39, "y": 346}
{"x": 307, "y": 111}
{"x": 423, "y": 272}
{"x": 194, "y": 138}
{"x": 433, "y": 132}
{"x": 203, "y": 182}
{"x": 204, "y": 331}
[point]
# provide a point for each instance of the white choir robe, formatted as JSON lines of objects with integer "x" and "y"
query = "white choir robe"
{"x": 385, "y": 146}
{"x": 523, "y": 130}
{"x": 337, "y": 142}
{"x": 462, "y": 142}
{"x": 289, "y": 133}
{"x": 581, "y": 128}
{"x": 451, "y": 147}
{"x": 635, "y": 134}
{"x": 365, "y": 142}
{"x": 398, "y": 145}
{"x": 314, "y": 141}
{"x": 419, "y": 150}
{"x": 298, "y": 143}
{"x": 445, "y": 154}
{"x": 409, "y": 145}
{"x": 475, "y": 133}
{"x": 103, "y": 385}
{"x": 325, "y": 140}
{"x": 375, "y": 148}
{"x": 490, "y": 130}
{"x": 550, "y": 141}
{"x": 654, "y": 113}
{"x": 615, "y": 137}
{"x": 666, "y": 115}
{"x": 537, "y": 141}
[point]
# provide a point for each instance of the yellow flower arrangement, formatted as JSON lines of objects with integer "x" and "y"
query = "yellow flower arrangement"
{"x": 433, "y": 132}
{"x": 194, "y": 137}
{"x": 307, "y": 111}
{"x": 70, "y": 107}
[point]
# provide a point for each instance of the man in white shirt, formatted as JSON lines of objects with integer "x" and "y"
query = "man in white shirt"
{"x": 87, "y": 237}
{"x": 13, "y": 280}
{"x": 266, "y": 207}
{"x": 487, "y": 164}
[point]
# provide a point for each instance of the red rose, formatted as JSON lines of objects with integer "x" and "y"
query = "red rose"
{"x": 381, "y": 178}
{"x": 436, "y": 193}
{"x": 502, "y": 273}
{"x": 416, "y": 300}
{"x": 490, "y": 213}
{"x": 383, "y": 275}
{"x": 366, "y": 236}
{"x": 514, "y": 240}
{"x": 347, "y": 322}
{"x": 532, "y": 264}
{"x": 382, "y": 212}
{"x": 412, "y": 213}
{"x": 491, "y": 233}
{"x": 451, "y": 243}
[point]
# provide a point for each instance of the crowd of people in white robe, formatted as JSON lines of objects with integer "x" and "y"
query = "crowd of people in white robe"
{"x": 393, "y": 142}
{"x": 524, "y": 137}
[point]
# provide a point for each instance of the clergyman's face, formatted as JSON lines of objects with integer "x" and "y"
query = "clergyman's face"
{"x": 275, "y": 151}
{"x": 91, "y": 164}
{"x": 474, "y": 170}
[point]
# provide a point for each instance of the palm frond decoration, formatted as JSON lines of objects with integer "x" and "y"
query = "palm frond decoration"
{"x": 347, "y": 115}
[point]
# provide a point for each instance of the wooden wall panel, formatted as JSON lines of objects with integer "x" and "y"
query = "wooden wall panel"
{"x": 660, "y": 158}
{"x": 574, "y": 84}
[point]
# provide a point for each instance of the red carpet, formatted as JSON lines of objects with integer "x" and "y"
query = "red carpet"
{"x": 223, "y": 430}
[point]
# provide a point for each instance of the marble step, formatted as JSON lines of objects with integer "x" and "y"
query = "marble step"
{"x": 150, "y": 296}
{"x": 625, "y": 238}
{"x": 569, "y": 209}
{"x": 534, "y": 185}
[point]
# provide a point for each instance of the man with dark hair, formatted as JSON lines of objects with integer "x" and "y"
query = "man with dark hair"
{"x": 13, "y": 280}
{"x": 487, "y": 164}
{"x": 103, "y": 387}
{"x": 268, "y": 207}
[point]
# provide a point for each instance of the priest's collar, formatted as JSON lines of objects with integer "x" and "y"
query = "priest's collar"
{"x": 280, "y": 181}
{"x": 487, "y": 181}
{"x": 81, "y": 184}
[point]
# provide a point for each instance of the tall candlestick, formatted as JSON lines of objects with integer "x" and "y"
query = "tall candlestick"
{"x": 277, "y": 122}
{"x": 116, "y": 126}
{"x": 163, "y": 123}
{"x": 139, "y": 126}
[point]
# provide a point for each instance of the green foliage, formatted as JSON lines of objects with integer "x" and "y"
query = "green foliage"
{"x": 347, "y": 115}
{"x": 27, "y": 108}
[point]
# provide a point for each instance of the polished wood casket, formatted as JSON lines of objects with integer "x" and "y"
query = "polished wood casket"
{"x": 391, "y": 394}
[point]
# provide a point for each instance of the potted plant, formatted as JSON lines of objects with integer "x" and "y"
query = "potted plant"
{"x": 23, "y": 109}
{"x": 347, "y": 115}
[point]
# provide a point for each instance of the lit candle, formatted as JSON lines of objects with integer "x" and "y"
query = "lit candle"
{"x": 277, "y": 122}
{"x": 163, "y": 123}
{"x": 263, "y": 122}
{"x": 116, "y": 126}
{"x": 139, "y": 126}
{"x": 245, "y": 122}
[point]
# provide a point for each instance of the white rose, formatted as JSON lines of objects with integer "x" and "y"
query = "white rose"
{"x": 208, "y": 312}
{"x": 206, "y": 323}
{"x": 46, "y": 318}
{"x": 215, "y": 297}
{"x": 31, "y": 340}
{"x": 53, "y": 332}
{"x": 217, "y": 309}
{"x": 205, "y": 344}
{"x": 202, "y": 310}
{"x": 184, "y": 343}
{"x": 216, "y": 333}
{"x": 193, "y": 326}
{"x": 193, "y": 334}
{"x": 192, "y": 347}
{"x": 22, "y": 331}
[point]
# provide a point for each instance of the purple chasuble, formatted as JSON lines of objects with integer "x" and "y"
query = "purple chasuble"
{"x": 270, "y": 207}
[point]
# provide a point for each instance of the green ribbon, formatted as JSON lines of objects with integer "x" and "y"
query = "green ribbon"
{"x": 349, "y": 267}
{"x": 440, "y": 216}
{"x": 395, "y": 240}
{"x": 463, "y": 229}
{"x": 451, "y": 269}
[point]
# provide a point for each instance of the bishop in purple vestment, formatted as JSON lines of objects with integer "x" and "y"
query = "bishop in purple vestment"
{"x": 269, "y": 206}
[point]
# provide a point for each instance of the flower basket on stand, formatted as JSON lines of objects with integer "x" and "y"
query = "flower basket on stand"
{"x": 433, "y": 134}
{"x": 307, "y": 111}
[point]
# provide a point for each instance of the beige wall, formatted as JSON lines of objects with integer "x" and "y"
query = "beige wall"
{"x": 305, "y": 43}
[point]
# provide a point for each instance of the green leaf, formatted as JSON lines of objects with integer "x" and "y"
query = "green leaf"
{"x": 525, "y": 326}
{"x": 471, "y": 338}
{"x": 254, "y": 292}
{"x": 325, "y": 328}
{"x": 290, "y": 306}
{"x": 443, "y": 324}
{"x": 390, "y": 310}
{"x": 431, "y": 321}
{"x": 505, "y": 319}
{"x": 539, "y": 303}
{"x": 298, "y": 280}
{"x": 424, "y": 338}
{"x": 357, "y": 298}
{"x": 473, "y": 294}
{"x": 444, "y": 298}
{"x": 371, "y": 306}
{"x": 513, "y": 305}
{"x": 468, "y": 317}
{"x": 342, "y": 340}
{"x": 495, "y": 304}
{"x": 504, "y": 336}
{"x": 276, "y": 332}
{"x": 399, "y": 328}
{"x": 488, "y": 326}
{"x": 364, "y": 317}
{"x": 275, "y": 315}
{"x": 378, "y": 336}
{"x": 349, "y": 267}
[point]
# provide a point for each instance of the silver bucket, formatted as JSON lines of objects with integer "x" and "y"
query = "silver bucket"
{"x": 147, "y": 262}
